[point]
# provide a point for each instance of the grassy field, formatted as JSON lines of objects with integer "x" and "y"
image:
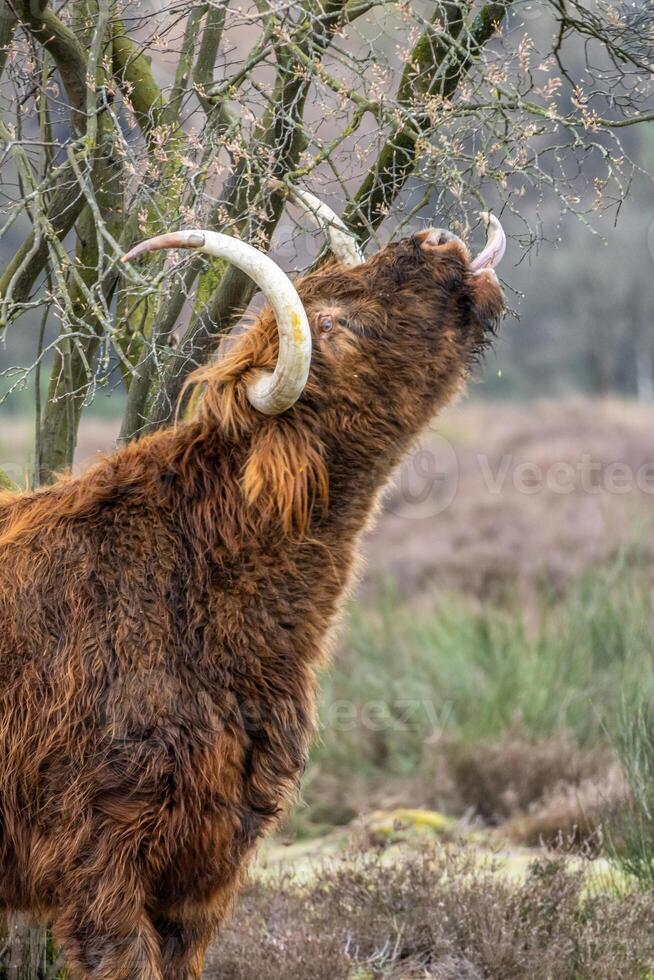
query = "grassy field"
{"x": 472, "y": 709}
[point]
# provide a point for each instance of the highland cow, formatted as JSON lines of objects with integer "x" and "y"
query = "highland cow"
{"x": 163, "y": 615}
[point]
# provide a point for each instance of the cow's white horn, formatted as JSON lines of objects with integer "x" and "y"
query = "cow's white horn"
{"x": 341, "y": 241}
{"x": 270, "y": 393}
{"x": 492, "y": 254}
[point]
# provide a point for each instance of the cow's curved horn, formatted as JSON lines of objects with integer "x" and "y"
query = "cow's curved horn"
{"x": 491, "y": 255}
{"x": 341, "y": 241}
{"x": 270, "y": 393}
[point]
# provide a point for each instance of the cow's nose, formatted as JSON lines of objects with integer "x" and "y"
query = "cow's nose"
{"x": 434, "y": 237}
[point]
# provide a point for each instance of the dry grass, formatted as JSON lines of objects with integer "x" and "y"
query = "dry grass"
{"x": 490, "y": 543}
{"x": 547, "y": 791}
{"x": 532, "y": 792}
{"x": 434, "y": 914}
{"x": 514, "y": 775}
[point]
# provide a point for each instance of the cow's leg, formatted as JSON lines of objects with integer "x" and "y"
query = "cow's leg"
{"x": 183, "y": 943}
{"x": 185, "y": 931}
{"x": 105, "y": 932}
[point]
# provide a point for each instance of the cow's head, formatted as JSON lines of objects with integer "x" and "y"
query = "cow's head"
{"x": 361, "y": 352}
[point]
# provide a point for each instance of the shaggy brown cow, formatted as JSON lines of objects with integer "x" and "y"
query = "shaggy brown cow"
{"x": 163, "y": 615}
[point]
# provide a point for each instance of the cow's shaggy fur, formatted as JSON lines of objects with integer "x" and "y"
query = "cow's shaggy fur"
{"x": 163, "y": 615}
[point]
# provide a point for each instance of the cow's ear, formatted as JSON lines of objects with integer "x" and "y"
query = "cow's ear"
{"x": 285, "y": 476}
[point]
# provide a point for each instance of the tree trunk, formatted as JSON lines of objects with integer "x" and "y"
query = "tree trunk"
{"x": 27, "y": 948}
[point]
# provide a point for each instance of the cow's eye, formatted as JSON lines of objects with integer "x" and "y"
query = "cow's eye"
{"x": 326, "y": 322}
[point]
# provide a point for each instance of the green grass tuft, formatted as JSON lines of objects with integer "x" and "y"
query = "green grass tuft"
{"x": 405, "y": 684}
{"x": 632, "y": 838}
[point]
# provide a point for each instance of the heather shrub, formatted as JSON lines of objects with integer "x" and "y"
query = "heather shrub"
{"x": 437, "y": 914}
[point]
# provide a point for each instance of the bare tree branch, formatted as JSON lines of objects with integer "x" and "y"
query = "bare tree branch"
{"x": 66, "y": 51}
{"x": 397, "y": 158}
